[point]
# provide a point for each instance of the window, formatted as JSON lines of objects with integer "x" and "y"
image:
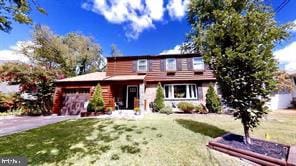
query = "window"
{"x": 142, "y": 65}
{"x": 171, "y": 64}
{"x": 198, "y": 63}
{"x": 180, "y": 91}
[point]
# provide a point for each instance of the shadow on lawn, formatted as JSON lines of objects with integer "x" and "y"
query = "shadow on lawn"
{"x": 202, "y": 128}
{"x": 55, "y": 143}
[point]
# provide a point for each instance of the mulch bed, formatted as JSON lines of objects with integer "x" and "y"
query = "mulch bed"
{"x": 87, "y": 114}
{"x": 260, "y": 151}
{"x": 270, "y": 149}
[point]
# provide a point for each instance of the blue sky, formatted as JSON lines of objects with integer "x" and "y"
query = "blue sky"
{"x": 136, "y": 26}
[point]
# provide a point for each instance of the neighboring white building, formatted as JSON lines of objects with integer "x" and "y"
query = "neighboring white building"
{"x": 282, "y": 100}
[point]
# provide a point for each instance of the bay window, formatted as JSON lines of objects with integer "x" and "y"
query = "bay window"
{"x": 180, "y": 91}
{"x": 198, "y": 63}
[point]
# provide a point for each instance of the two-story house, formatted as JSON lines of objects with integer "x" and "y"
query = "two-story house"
{"x": 131, "y": 81}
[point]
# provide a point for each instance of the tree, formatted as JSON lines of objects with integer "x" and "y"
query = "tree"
{"x": 74, "y": 53}
{"x": 284, "y": 82}
{"x": 236, "y": 39}
{"x": 84, "y": 52}
{"x": 17, "y": 10}
{"x": 47, "y": 50}
{"x": 159, "y": 99}
{"x": 36, "y": 80}
{"x": 115, "y": 52}
{"x": 213, "y": 102}
{"x": 97, "y": 102}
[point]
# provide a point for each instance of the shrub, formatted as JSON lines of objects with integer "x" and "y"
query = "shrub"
{"x": 198, "y": 108}
{"x": 90, "y": 107}
{"x": 109, "y": 110}
{"x": 204, "y": 109}
{"x": 159, "y": 99}
{"x": 97, "y": 102}
{"x": 186, "y": 107}
{"x": 166, "y": 110}
{"x": 9, "y": 101}
{"x": 213, "y": 102}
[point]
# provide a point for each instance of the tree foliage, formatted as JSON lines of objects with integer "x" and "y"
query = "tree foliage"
{"x": 115, "y": 52}
{"x": 237, "y": 38}
{"x": 73, "y": 53}
{"x": 36, "y": 80}
{"x": 97, "y": 101}
{"x": 284, "y": 82}
{"x": 159, "y": 99}
{"x": 17, "y": 10}
{"x": 213, "y": 102}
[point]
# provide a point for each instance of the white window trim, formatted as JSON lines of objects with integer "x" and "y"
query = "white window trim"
{"x": 187, "y": 92}
{"x": 138, "y": 65}
{"x": 198, "y": 63}
{"x": 166, "y": 64}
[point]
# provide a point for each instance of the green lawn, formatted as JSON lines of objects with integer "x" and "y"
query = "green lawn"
{"x": 155, "y": 140}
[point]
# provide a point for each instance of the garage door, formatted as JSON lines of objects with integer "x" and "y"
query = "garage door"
{"x": 74, "y": 101}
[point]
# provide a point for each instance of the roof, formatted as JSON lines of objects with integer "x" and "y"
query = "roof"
{"x": 96, "y": 76}
{"x": 101, "y": 76}
{"x": 6, "y": 88}
{"x": 153, "y": 56}
{"x": 125, "y": 77}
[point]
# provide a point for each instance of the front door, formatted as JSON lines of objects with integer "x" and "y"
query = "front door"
{"x": 132, "y": 92}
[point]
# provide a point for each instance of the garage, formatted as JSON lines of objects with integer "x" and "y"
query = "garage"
{"x": 74, "y": 101}
{"x": 71, "y": 94}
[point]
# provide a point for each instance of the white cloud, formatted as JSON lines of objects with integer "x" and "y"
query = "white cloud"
{"x": 294, "y": 28}
{"x": 13, "y": 53}
{"x": 287, "y": 56}
{"x": 175, "y": 50}
{"x": 177, "y": 8}
{"x": 136, "y": 15}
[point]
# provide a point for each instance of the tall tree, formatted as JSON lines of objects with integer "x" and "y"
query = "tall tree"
{"x": 73, "y": 54}
{"x": 115, "y": 52}
{"x": 236, "y": 39}
{"x": 17, "y": 10}
{"x": 84, "y": 52}
{"x": 47, "y": 50}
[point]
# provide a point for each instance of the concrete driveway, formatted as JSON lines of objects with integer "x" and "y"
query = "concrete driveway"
{"x": 10, "y": 125}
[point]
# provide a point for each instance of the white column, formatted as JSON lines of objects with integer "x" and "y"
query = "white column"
{"x": 141, "y": 96}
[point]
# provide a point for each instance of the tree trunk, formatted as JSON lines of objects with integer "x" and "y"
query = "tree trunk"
{"x": 247, "y": 139}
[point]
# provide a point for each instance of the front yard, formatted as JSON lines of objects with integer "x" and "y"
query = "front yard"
{"x": 155, "y": 140}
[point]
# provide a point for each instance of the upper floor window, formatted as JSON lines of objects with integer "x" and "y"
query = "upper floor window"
{"x": 142, "y": 65}
{"x": 198, "y": 63}
{"x": 171, "y": 64}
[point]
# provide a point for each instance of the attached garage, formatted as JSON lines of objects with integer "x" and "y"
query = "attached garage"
{"x": 72, "y": 94}
{"x": 74, "y": 101}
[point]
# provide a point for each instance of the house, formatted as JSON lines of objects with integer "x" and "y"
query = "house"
{"x": 131, "y": 81}
{"x": 283, "y": 99}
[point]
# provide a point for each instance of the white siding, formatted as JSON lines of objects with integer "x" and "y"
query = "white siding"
{"x": 280, "y": 101}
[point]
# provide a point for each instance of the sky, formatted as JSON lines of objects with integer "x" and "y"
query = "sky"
{"x": 137, "y": 27}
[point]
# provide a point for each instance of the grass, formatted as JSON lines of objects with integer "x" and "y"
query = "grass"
{"x": 155, "y": 140}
